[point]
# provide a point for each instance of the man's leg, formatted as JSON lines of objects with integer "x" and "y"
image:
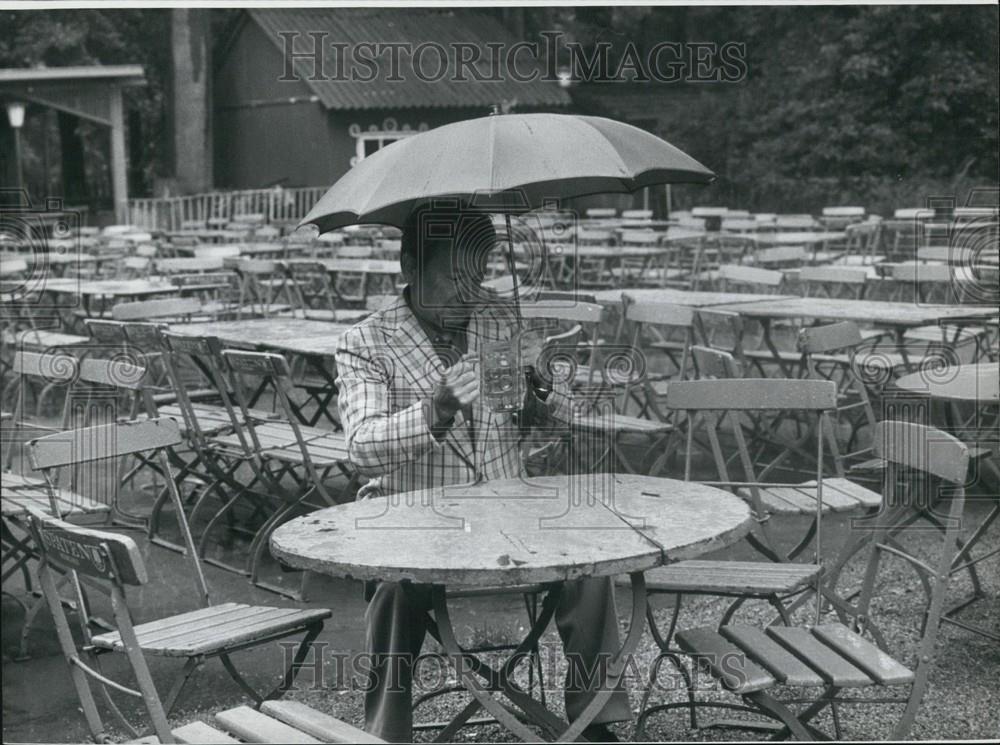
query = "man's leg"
{"x": 588, "y": 626}
{"x": 395, "y": 624}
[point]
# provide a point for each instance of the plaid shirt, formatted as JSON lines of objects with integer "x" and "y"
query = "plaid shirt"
{"x": 386, "y": 368}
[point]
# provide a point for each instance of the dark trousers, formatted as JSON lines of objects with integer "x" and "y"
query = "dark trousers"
{"x": 396, "y": 625}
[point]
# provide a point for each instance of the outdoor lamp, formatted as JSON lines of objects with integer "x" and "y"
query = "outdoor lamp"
{"x": 15, "y": 114}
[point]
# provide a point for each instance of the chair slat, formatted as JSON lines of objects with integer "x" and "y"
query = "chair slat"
{"x": 316, "y": 723}
{"x": 731, "y": 577}
{"x": 252, "y": 726}
{"x": 777, "y": 660}
{"x": 105, "y": 441}
{"x": 752, "y": 394}
{"x": 863, "y": 654}
{"x": 831, "y": 666}
{"x": 199, "y": 733}
{"x": 725, "y": 661}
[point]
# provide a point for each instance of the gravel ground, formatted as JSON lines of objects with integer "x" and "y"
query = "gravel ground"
{"x": 961, "y": 701}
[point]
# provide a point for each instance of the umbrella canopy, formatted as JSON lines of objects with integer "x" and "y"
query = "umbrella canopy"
{"x": 503, "y": 163}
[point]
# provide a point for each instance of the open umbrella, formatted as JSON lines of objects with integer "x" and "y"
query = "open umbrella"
{"x": 503, "y": 163}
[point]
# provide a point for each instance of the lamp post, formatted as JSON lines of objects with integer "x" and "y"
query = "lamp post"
{"x": 15, "y": 116}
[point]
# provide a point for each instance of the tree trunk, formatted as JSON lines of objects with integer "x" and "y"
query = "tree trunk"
{"x": 74, "y": 177}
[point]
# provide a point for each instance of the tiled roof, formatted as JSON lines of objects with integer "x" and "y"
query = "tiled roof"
{"x": 353, "y": 26}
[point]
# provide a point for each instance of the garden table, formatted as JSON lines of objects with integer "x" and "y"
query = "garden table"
{"x": 315, "y": 342}
{"x": 113, "y": 290}
{"x": 285, "y": 334}
{"x": 897, "y": 316}
{"x": 979, "y": 383}
{"x": 794, "y": 238}
{"x": 690, "y": 298}
{"x": 506, "y": 534}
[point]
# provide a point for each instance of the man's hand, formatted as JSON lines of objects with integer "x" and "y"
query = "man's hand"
{"x": 532, "y": 343}
{"x": 459, "y": 387}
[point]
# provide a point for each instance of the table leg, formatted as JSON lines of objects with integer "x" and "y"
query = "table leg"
{"x": 464, "y": 664}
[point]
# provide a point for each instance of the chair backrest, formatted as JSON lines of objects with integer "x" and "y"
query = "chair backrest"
{"x": 162, "y": 308}
{"x": 922, "y": 448}
{"x": 715, "y": 363}
{"x": 781, "y": 255}
{"x": 594, "y": 237}
{"x": 833, "y": 281}
{"x": 110, "y": 560}
{"x": 564, "y": 312}
{"x": 601, "y": 212}
{"x": 843, "y": 211}
{"x": 734, "y": 275}
{"x": 216, "y": 251}
{"x": 637, "y": 214}
{"x": 794, "y": 222}
{"x": 708, "y": 403}
{"x": 52, "y": 368}
{"x": 152, "y": 437}
{"x": 355, "y": 252}
{"x": 639, "y": 238}
{"x": 189, "y": 265}
{"x": 10, "y": 267}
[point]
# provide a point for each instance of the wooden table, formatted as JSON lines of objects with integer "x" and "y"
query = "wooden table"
{"x": 880, "y": 313}
{"x": 690, "y": 298}
{"x": 979, "y": 383}
{"x": 109, "y": 289}
{"x": 897, "y": 316}
{"x": 294, "y": 335}
{"x": 508, "y": 533}
{"x": 794, "y": 238}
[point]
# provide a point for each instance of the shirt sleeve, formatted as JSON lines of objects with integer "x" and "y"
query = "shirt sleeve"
{"x": 379, "y": 440}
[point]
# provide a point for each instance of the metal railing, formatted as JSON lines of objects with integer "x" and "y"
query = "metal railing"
{"x": 276, "y": 205}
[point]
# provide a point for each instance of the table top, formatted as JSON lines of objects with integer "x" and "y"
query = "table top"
{"x": 979, "y": 383}
{"x": 511, "y": 532}
{"x": 693, "y": 299}
{"x": 285, "y": 334}
{"x": 794, "y": 237}
{"x": 368, "y": 266}
{"x": 111, "y": 287}
{"x": 872, "y": 311}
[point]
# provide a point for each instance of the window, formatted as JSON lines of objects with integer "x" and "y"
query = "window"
{"x": 370, "y": 141}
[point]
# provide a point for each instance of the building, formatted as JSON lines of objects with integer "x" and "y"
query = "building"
{"x": 302, "y": 119}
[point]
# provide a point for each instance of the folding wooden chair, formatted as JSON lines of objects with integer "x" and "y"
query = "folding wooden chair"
{"x": 316, "y": 296}
{"x": 652, "y": 328}
{"x": 211, "y": 631}
{"x": 292, "y": 463}
{"x": 117, "y": 562}
{"x": 263, "y": 287}
{"x": 707, "y": 403}
{"x": 925, "y": 466}
{"x": 20, "y": 492}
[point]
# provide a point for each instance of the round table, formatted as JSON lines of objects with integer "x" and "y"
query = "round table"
{"x": 506, "y": 534}
{"x": 978, "y": 383}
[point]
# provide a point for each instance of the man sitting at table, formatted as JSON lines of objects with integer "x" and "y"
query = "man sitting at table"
{"x": 414, "y": 418}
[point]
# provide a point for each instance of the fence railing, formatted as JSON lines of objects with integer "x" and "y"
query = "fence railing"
{"x": 275, "y": 205}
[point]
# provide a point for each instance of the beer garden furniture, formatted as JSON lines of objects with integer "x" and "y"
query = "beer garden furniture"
{"x": 508, "y": 534}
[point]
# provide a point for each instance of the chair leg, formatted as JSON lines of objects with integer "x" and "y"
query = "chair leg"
{"x": 293, "y": 668}
{"x": 191, "y": 665}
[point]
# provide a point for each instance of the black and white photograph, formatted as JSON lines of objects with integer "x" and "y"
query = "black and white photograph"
{"x": 530, "y": 371}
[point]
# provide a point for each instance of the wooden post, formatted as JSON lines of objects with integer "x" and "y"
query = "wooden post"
{"x": 119, "y": 179}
